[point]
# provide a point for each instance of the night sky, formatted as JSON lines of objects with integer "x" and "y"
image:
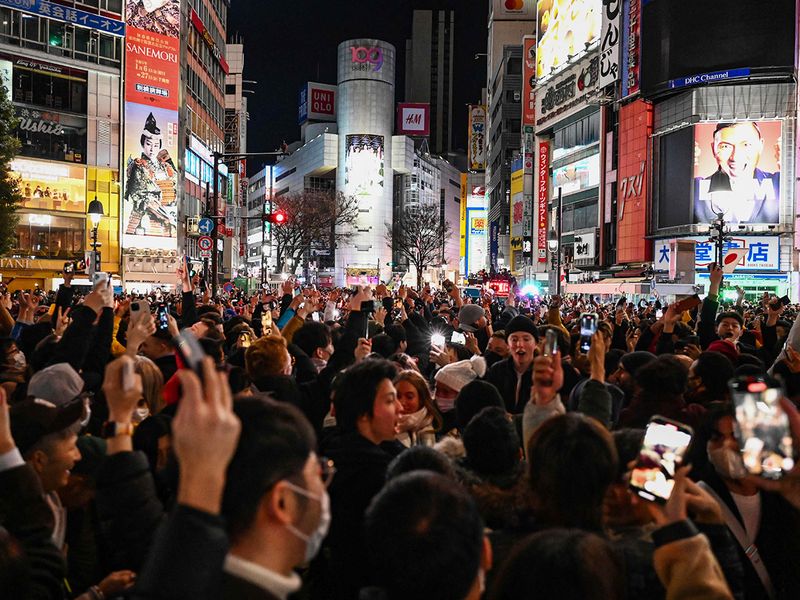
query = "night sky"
{"x": 291, "y": 42}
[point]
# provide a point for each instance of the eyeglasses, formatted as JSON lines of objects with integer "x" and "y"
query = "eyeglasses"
{"x": 326, "y": 470}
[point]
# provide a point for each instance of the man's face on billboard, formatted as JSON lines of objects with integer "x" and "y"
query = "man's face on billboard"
{"x": 150, "y": 147}
{"x": 737, "y": 149}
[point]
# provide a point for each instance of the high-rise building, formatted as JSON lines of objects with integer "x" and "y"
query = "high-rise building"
{"x": 507, "y": 26}
{"x": 234, "y": 256}
{"x": 429, "y": 72}
{"x": 61, "y": 65}
{"x": 174, "y": 122}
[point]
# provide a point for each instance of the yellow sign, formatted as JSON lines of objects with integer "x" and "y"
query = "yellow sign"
{"x": 462, "y": 224}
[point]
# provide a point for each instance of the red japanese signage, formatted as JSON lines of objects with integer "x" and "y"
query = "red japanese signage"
{"x": 543, "y": 196}
{"x": 152, "y": 69}
{"x": 528, "y": 80}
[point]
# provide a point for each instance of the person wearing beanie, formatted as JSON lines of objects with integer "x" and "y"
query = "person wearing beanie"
{"x": 451, "y": 378}
{"x": 472, "y": 318}
{"x": 623, "y": 376}
{"x": 513, "y": 376}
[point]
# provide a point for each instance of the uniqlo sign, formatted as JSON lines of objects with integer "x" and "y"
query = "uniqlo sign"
{"x": 317, "y": 103}
{"x": 413, "y": 119}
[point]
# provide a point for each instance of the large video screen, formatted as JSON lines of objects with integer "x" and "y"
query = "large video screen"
{"x": 686, "y": 38}
{"x": 363, "y": 165}
{"x": 564, "y": 29}
{"x": 737, "y": 172}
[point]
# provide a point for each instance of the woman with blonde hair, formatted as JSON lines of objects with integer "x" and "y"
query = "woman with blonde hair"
{"x": 419, "y": 420}
{"x": 152, "y": 400}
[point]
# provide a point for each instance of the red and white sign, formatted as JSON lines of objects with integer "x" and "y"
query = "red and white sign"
{"x": 543, "y": 196}
{"x": 321, "y": 101}
{"x": 528, "y": 80}
{"x": 204, "y": 242}
{"x": 413, "y": 119}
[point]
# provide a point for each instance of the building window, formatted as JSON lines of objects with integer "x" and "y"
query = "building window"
{"x": 46, "y": 236}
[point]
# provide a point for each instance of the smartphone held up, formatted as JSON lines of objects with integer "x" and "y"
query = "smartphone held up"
{"x": 663, "y": 449}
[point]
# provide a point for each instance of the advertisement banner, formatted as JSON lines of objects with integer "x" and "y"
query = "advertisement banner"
{"x": 517, "y": 199}
{"x": 151, "y": 175}
{"x": 610, "y": 42}
{"x": 150, "y": 144}
{"x": 413, "y": 119}
{"x": 577, "y": 176}
{"x": 585, "y": 245}
{"x": 564, "y": 30}
{"x": 635, "y": 127}
{"x": 462, "y": 222}
{"x": 542, "y": 198}
{"x": 737, "y": 172}
{"x": 477, "y": 234}
{"x": 317, "y": 102}
{"x": 476, "y": 134}
{"x": 528, "y": 80}
{"x": 363, "y": 165}
{"x": 81, "y": 18}
{"x": 631, "y": 47}
{"x": 152, "y": 69}
{"x": 568, "y": 92}
{"x": 763, "y": 253}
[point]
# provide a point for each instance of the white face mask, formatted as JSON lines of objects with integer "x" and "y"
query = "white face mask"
{"x": 140, "y": 414}
{"x": 314, "y": 540}
{"x": 727, "y": 462}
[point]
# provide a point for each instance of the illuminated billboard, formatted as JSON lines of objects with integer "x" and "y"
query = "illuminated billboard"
{"x": 364, "y": 168}
{"x": 477, "y": 231}
{"x": 565, "y": 28}
{"x": 50, "y": 186}
{"x": 151, "y": 175}
{"x": 577, "y": 176}
{"x": 737, "y": 172}
{"x": 517, "y": 199}
{"x": 413, "y": 119}
{"x": 317, "y": 103}
{"x": 476, "y": 138}
{"x": 150, "y": 144}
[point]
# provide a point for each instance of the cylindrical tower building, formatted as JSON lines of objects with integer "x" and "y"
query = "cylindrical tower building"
{"x": 365, "y": 119}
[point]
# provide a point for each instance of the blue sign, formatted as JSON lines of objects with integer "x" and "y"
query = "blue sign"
{"x": 714, "y": 77}
{"x": 763, "y": 253}
{"x": 205, "y": 226}
{"x": 302, "y": 111}
{"x": 43, "y": 8}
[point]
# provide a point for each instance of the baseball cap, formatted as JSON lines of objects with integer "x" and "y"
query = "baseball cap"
{"x": 34, "y": 418}
{"x": 469, "y": 315}
{"x": 58, "y": 383}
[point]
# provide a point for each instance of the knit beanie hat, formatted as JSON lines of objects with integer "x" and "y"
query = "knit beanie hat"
{"x": 521, "y": 323}
{"x": 724, "y": 348}
{"x": 632, "y": 361}
{"x": 474, "y": 397}
{"x": 469, "y": 315}
{"x": 457, "y": 375}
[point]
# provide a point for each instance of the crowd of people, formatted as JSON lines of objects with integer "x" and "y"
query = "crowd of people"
{"x": 385, "y": 443}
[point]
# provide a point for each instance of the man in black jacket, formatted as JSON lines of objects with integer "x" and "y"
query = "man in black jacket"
{"x": 513, "y": 376}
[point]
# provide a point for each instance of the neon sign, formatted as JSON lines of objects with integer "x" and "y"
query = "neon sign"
{"x": 364, "y": 57}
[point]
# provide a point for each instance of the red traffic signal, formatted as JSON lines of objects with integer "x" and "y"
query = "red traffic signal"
{"x": 277, "y": 218}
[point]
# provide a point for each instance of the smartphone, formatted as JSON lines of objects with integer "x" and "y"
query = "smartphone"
{"x": 659, "y": 313}
{"x": 162, "y": 320}
{"x": 138, "y": 309}
{"x": 98, "y": 278}
{"x": 245, "y": 339}
{"x": 785, "y": 301}
{"x": 69, "y": 267}
{"x": 190, "y": 351}
{"x": 266, "y": 322}
{"x": 437, "y": 339}
{"x": 762, "y": 427}
{"x": 663, "y": 449}
{"x": 588, "y": 329}
{"x": 315, "y": 317}
{"x": 550, "y": 343}
{"x": 687, "y": 303}
{"x": 458, "y": 338}
{"x": 370, "y": 306}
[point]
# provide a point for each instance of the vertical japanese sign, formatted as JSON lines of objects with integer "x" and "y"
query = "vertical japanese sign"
{"x": 529, "y": 80}
{"x": 476, "y": 137}
{"x": 462, "y": 223}
{"x": 610, "y": 42}
{"x": 543, "y": 193}
{"x": 517, "y": 199}
{"x": 631, "y": 44}
{"x": 152, "y": 89}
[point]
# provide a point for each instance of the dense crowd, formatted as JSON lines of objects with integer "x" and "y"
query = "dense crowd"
{"x": 393, "y": 444}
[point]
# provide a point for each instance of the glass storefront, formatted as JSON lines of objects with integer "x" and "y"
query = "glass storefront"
{"x": 50, "y": 186}
{"x": 47, "y": 236}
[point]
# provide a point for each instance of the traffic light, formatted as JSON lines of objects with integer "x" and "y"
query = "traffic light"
{"x": 276, "y": 218}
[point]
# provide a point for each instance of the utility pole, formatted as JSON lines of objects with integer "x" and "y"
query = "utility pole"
{"x": 719, "y": 237}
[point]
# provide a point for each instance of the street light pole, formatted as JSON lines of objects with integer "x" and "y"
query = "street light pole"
{"x": 719, "y": 238}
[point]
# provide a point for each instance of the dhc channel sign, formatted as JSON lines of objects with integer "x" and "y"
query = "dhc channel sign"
{"x": 364, "y": 58}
